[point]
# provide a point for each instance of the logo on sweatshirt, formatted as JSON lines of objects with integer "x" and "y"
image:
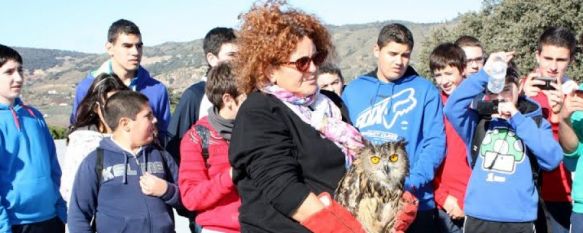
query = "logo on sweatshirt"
{"x": 501, "y": 150}
{"x": 388, "y": 111}
{"x": 119, "y": 170}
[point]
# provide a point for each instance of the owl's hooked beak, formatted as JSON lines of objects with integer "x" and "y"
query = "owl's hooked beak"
{"x": 387, "y": 169}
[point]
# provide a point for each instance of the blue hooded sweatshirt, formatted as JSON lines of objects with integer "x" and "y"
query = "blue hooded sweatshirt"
{"x": 29, "y": 172}
{"x": 409, "y": 108}
{"x": 143, "y": 83}
{"x": 116, "y": 200}
{"x": 501, "y": 186}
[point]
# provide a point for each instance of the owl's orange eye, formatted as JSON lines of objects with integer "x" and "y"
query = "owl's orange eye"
{"x": 394, "y": 158}
{"x": 375, "y": 160}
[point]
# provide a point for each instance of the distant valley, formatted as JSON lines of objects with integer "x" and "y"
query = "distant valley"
{"x": 53, "y": 74}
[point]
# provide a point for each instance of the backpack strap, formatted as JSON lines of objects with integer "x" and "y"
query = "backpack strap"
{"x": 99, "y": 171}
{"x": 479, "y": 134}
{"x": 204, "y": 135}
{"x": 536, "y": 177}
{"x": 99, "y": 166}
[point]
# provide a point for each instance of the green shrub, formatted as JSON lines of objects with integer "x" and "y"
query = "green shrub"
{"x": 512, "y": 25}
{"x": 58, "y": 132}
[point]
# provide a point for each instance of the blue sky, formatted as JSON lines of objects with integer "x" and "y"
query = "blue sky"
{"x": 82, "y": 25}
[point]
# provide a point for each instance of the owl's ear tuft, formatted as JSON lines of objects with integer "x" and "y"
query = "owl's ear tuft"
{"x": 366, "y": 143}
{"x": 401, "y": 142}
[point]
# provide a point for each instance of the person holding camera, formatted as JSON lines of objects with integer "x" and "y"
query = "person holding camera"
{"x": 516, "y": 141}
{"x": 548, "y": 85}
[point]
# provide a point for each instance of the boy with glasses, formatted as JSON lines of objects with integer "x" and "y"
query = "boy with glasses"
{"x": 474, "y": 54}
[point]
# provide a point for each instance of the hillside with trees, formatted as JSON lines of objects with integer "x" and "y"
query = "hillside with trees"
{"x": 512, "y": 25}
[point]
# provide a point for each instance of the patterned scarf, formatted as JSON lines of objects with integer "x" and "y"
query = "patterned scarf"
{"x": 322, "y": 114}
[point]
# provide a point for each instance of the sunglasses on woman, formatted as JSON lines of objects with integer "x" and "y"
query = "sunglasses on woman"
{"x": 303, "y": 63}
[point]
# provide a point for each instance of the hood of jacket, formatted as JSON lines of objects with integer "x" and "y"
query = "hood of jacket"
{"x": 14, "y": 112}
{"x": 528, "y": 107}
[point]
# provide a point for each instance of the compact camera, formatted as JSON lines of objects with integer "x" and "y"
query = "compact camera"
{"x": 547, "y": 85}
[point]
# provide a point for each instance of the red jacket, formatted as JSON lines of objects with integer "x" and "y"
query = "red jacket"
{"x": 454, "y": 172}
{"x": 556, "y": 184}
{"x": 208, "y": 191}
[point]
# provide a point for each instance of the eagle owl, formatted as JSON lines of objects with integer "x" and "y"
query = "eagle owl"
{"x": 372, "y": 188}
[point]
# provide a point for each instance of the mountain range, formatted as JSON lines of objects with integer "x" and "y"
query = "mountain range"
{"x": 52, "y": 75}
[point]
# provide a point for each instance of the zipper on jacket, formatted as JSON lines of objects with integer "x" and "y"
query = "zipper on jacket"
{"x": 149, "y": 217}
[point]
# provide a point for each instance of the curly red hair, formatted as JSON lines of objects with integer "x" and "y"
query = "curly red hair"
{"x": 268, "y": 36}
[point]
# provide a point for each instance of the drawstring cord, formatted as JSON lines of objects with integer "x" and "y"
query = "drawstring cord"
{"x": 145, "y": 160}
{"x": 125, "y": 175}
{"x": 15, "y": 116}
{"x": 126, "y": 163}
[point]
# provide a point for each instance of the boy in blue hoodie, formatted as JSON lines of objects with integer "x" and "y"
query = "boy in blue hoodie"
{"x": 30, "y": 175}
{"x": 126, "y": 184}
{"x": 394, "y": 102}
{"x": 501, "y": 194}
{"x": 124, "y": 47}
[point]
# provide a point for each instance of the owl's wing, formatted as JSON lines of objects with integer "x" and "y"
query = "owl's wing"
{"x": 348, "y": 191}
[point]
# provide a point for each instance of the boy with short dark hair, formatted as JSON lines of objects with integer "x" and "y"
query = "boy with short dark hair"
{"x": 555, "y": 53}
{"x": 30, "y": 175}
{"x": 393, "y": 102}
{"x": 126, "y": 183}
{"x": 517, "y": 141}
{"x": 205, "y": 176}
{"x": 474, "y": 52}
{"x": 124, "y": 47}
{"x": 330, "y": 78}
{"x": 447, "y": 63}
{"x": 218, "y": 46}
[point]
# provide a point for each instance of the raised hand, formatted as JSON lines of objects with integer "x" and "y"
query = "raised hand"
{"x": 152, "y": 185}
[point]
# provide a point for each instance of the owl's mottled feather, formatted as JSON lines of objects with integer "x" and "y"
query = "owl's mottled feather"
{"x": 372, "y": 188}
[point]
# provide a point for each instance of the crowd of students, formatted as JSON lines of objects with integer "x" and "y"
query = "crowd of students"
{"x": 260, "y": 144}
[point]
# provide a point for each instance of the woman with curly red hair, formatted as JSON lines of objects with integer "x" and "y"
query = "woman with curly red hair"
{"x": 289, "y": 143}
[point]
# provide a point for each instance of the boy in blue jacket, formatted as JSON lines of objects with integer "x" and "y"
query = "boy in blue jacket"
{"x": 126, "y": 184}
{"x": 30, "y": 175}
{"x": 394, "y": 102}
{"x": 124, "y": 47}
{"x": 501, "y": 194}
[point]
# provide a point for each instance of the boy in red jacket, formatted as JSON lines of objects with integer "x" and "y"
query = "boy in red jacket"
{"x": 205, "y": 175}
{"x": 554, "y": 54}
{"x": 447, "y": 63}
